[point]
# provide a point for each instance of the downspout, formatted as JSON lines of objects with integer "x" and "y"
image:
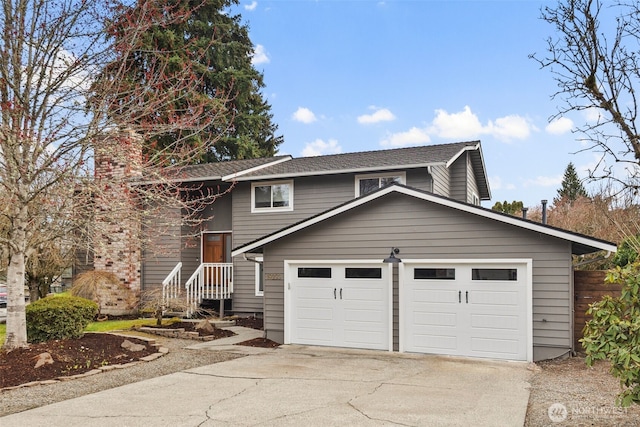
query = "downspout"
{"x": 429, "y": 169}
{"x": 244, "y": 256}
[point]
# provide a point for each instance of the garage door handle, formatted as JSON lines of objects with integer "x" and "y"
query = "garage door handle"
{"x": 459, "y": 296}
{"x": 340, "y": 293}
{"x": 466, "y": 295}
{"x": 334, "y": 293}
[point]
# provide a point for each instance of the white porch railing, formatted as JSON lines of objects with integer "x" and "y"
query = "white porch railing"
{"x": 171, "y": 286}
{"x": 209, "y": 281}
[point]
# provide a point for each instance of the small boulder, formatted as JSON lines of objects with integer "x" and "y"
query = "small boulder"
{"x": 43, "y": 359}
{"x": 126, "y": 344}
{"x": 205, "y": 327}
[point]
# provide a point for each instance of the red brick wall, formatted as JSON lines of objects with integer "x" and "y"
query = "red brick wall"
{"x": 118, "y": 158}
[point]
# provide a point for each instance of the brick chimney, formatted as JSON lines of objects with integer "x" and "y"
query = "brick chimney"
{"x": 118, "y": 160}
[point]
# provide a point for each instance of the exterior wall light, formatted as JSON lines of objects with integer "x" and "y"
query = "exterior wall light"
{"x": 391, "y": 259}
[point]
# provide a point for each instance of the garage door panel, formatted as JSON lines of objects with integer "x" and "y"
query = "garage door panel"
{"x": 437, "y": 344}
{"x": 492, "y": 321}
{"x": 494, "y": 347}
{"x": 496, "y": 298}
{"x": 315, "y": 314}
{"x": 366, "y": 294}
{"x": 434, "y": 319}
{"x": 365, "y": 316}
{"x": 435, "y": 295}
{"x": 314, "y": 335}
{"x": 480, "y": 311}
{"x": 346, "y": 307}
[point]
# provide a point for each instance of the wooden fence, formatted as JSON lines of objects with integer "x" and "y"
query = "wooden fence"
{"x": 588, "y": 287}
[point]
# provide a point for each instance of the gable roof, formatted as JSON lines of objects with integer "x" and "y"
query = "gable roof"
{"x": 228, "y": 169}
{"x": 367, "y": 161}
{"x": 282, "y": 167}
{"x": 580, "y": 244}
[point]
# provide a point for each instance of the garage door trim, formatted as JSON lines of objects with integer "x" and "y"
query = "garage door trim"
{"x": 288, "y": 279}
{"x": 528, "y": 262}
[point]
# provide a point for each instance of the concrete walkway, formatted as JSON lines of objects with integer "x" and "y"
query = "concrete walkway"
{"x": 299, "y": 385}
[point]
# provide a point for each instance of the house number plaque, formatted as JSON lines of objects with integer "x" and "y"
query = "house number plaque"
{"x": 274, "y": 276}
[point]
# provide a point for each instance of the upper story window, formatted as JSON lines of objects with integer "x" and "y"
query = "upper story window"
{"x": 272, "y": 196}
{"x": 366, "y": 184}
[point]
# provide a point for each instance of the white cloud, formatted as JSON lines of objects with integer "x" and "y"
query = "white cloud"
{"x": 544, "y": 181}
{"x": 304, "y": 115}
{"x": 465, "y": 125}
{"x": 592, "y": 114}
{"x": 380, "y": 115}
{"x": 319, "y": 147}
{"x": 559, "y": 126}
{"x": 414, "y": 136}
{"x": 260, "y": 55}
{"x": 509, "y": 127}
{"x": 495, "y": 182}
{"x": 251, "y": 6}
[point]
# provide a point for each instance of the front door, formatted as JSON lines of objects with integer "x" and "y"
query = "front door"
{"x": 216, "y": 247}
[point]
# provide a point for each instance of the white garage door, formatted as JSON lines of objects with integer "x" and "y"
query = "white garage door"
{"x": 340, "y": 305}
{"x": 469, "y": 309}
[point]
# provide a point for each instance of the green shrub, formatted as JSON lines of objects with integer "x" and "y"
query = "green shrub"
{"x": 59, "y": 318}
{"x": 613, "y": 333}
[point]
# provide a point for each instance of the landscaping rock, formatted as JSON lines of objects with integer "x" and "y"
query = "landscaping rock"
{"x": 131, "y": 346}
{"x": 43, "y": 359}
{"x": 205, "y": 326}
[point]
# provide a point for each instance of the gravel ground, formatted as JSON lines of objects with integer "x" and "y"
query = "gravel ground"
{"x": 582, "y": 396}
{"x": 178, "y": 359}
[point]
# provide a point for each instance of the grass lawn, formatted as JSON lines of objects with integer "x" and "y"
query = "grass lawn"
{"x": 109, "y": 325}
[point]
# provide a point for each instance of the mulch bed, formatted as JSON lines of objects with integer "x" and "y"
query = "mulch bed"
{"x": 70, "y": 357}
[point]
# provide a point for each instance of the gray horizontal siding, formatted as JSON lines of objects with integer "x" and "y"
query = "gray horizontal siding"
{"x": 441, "y": 180}
{"x": 459, "y": 178}
{"x": 425, "y": 230}
{"x": 161, "y": 249}
{"x": 472, "y": 185}
{"x": 312, "y": 195}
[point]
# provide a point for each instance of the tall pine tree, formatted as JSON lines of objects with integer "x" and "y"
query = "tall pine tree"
{"x": 571, "y": 187}
{"x": 216, "y": 46}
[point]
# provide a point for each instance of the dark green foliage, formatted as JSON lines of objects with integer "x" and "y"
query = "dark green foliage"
{"x": 571, "y": 187}
{"x": 627, "y": 251}
{"x": 55, "y": 318}
{"x": 508, "y": 208}
{"x": 613, "y": 333}
{"x": 215, "y": 46}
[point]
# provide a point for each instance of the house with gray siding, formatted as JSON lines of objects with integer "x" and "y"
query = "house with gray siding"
{"x": 386, "y": 250}
{"x": 260, "y": 196}
{"x": 466, "y": 281}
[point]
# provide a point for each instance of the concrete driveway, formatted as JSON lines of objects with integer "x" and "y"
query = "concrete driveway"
{"x": 299, "y": 385}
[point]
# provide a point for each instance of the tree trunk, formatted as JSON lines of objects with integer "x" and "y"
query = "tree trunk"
{"x": 16, "y": 316}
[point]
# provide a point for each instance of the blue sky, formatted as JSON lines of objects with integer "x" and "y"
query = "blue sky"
{"x": 344, "y": 76}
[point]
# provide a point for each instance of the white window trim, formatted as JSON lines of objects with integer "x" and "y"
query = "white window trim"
{"x": 271, "y": 209}
{"x": 259, "y": 293}
{"x": 475, "y": 199}
{"x": 401, "y": 174}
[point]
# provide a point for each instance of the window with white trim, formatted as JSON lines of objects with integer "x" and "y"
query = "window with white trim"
{"x": 259, "y": 277}
{"x": 475, "y": 199}
{"x": 272, "y": 196}
{"x": 366, "y": 184}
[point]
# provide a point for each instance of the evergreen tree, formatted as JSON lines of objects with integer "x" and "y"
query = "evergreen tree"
{"x": 508, "y": 208}
{"x": 216, "y": 46}
{"x": 571, "y": 187}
